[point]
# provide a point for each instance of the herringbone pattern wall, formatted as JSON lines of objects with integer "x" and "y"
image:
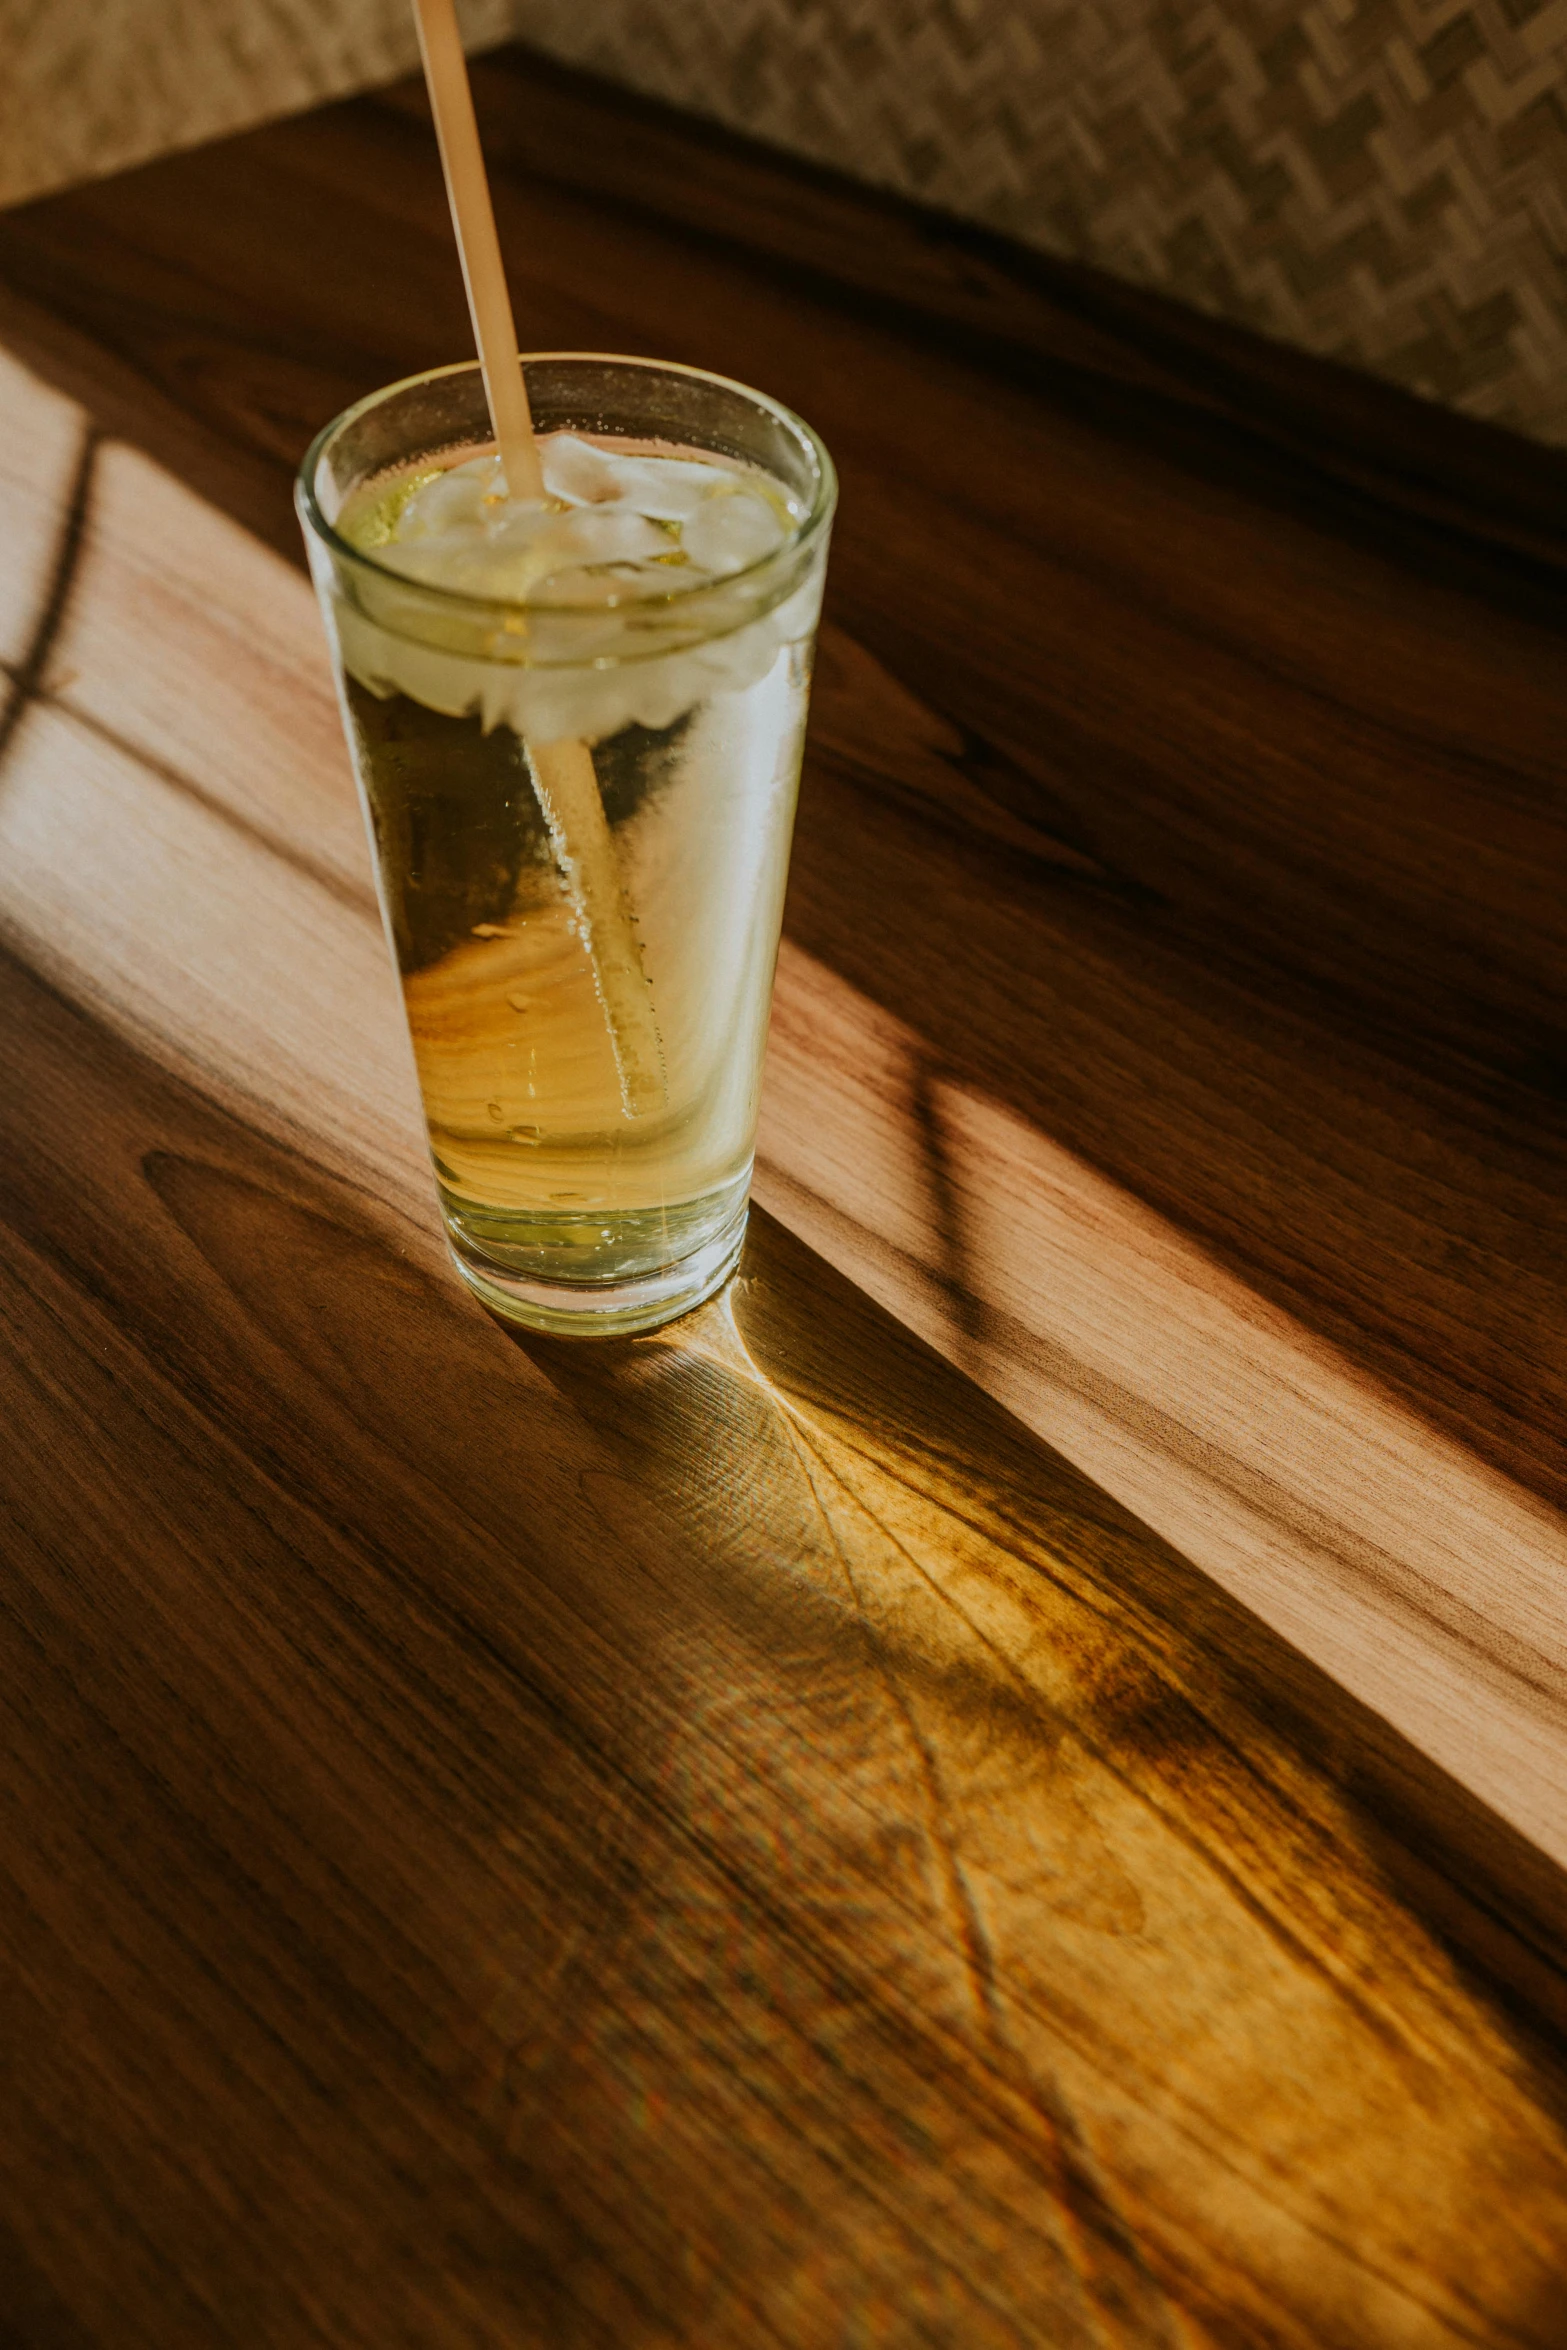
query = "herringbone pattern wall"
{"x": 1383, "y": 181}
{"x": 89, "y": 86}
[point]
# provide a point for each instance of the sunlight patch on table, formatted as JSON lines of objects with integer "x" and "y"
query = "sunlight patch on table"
{"x": 1422, "y": 1580}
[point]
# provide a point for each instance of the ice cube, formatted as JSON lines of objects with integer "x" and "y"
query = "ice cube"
{"x": 455, "y": 499}
{"x": 574, "y": 469}
{"x": 600, "y": 534}
{"x": 669, "y": 488}
{"x": 665, "y": 487}
{"x": 516, "y": 529}
{"x": 616, "y": 583}
{"x": 454, "y": 559}
{"x": 729, "y": 532}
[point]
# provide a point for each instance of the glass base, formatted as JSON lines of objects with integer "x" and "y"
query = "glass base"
{"x": 606, "y": 1309}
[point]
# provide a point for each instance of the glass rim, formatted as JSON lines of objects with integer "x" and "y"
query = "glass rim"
{"x": 800, "y": 536}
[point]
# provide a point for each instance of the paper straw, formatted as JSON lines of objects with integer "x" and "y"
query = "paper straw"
{"x": 579, "y": 830}
{"x": 562, "y": 771}
{"x": 478, "y": 246}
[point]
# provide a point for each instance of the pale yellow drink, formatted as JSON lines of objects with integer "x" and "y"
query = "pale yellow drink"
{"x": 588, "y": 1020}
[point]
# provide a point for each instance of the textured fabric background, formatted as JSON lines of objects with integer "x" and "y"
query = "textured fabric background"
{"x": 1383, "y": 181}
{"x": 88, "y": 86}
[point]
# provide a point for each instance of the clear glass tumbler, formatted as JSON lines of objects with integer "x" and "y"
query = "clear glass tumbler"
{"x": 580, "y": 814}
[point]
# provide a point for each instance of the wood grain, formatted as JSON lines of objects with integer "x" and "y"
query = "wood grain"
{"x": 770, "y": 1842}
{"x": 1217, "y": 790}
{"x": 746, "y": 1836}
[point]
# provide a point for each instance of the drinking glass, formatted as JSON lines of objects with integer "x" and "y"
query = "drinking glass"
{"x": 580, "y": 814}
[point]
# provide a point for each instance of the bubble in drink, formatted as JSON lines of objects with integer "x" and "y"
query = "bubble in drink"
{"x": 582, "y": 810}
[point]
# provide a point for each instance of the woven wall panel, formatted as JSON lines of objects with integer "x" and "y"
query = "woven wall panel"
{"x": 1382, "y": 181}
{"x": 88, "y": 86}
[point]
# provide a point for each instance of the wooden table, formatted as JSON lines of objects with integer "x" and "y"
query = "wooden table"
{"x": 1005, "y": 1784}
